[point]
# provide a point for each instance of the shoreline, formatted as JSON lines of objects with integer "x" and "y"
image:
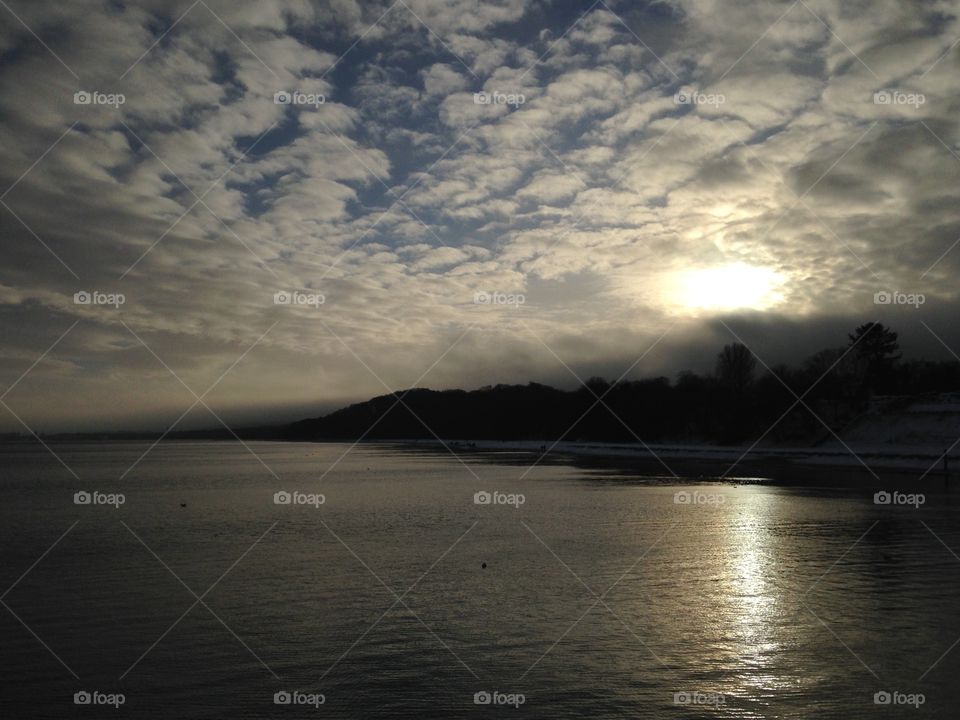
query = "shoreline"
{"x": 676, "y": 463}
{"x": 877, "y": 467}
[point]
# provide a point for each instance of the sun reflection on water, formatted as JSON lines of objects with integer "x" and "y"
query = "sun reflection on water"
{"x": 753, "y": 600}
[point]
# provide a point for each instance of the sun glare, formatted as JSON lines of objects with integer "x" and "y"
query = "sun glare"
{"x": 728, "y": 287}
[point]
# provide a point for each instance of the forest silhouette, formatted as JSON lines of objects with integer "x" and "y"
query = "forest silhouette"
{"x": 740, "y": 400}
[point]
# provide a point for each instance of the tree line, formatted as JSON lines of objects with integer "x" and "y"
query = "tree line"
{"x": 739, "y": 401}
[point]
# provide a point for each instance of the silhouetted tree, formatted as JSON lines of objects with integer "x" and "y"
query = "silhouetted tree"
{"x": 597, "y": 385}
{"x": 734, "y": 371}
{"x": 877, "y": 349}
{"x": 876, "y": 341}
{"x": 735, "y": 367}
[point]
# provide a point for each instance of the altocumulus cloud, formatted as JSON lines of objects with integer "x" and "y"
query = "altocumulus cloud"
{"x": 399, "y": 158}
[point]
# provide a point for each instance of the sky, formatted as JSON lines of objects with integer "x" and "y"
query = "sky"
{"x": 248, "y": 212}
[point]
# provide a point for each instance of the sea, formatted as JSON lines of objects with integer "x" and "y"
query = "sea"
{"x": 308, "y": 580}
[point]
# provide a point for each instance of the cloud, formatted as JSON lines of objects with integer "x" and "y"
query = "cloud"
{"x": 820, "y": 141}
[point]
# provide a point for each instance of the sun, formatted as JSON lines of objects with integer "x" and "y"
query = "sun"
{"x": 736, "y": 286}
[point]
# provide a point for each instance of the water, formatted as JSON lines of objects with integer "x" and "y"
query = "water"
{"x": 597, "y": 597}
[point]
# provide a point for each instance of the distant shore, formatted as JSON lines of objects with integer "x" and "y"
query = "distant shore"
{"x": 879, "y": 467}
{"x": 820, "y": 466}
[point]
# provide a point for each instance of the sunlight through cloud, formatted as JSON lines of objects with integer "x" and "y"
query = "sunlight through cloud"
{"x": 726, "y": 287}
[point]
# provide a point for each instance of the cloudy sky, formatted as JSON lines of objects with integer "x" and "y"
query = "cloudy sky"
{"x": 454, "y": 193}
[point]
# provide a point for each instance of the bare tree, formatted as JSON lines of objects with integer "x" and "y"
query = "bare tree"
{"x": 735, "y": 367}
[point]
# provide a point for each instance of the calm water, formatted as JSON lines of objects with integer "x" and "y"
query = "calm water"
{"x": 597, "y": 597}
